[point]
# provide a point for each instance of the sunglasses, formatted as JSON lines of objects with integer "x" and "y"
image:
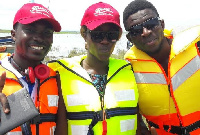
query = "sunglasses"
{"x": 150, "y": 24}
{"x": 98, "y": 36}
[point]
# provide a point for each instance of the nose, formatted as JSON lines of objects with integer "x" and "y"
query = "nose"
{"x": 146, "y": 32}
{"x": 39, "y": 36}
{"x": 105, "y": 40}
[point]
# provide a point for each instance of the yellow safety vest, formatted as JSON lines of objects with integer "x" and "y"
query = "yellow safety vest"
{"x": 170, "y": 103}
{"x": 83, "y": 103}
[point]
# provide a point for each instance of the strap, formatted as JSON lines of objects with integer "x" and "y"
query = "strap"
{"x": 26, "y": 128}
{"x": 178, "y": 129}
{"x": 47, "y": 117}
{"x": 109, "y": 113}
{"x": 98, "y": 116}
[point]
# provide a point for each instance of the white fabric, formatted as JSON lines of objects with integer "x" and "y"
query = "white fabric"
{"x": 126, "y": 125}
{"x": 53, "y": 100}
{"x": 79, "y": 130}
{"x": 14, "y": 133}
{"x": 125, "y": 95}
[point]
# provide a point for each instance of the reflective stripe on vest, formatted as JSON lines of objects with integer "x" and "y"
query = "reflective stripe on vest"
{"x": 184, "y": 73}
{"x": 152, "y": 78}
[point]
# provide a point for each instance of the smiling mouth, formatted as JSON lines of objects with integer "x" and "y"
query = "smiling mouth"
{"x": 105, "y": 50}
{"x": 37, "y": 47}
{"x": 150, "y": 42}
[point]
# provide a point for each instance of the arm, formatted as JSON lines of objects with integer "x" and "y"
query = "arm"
{"x": 142, "y": 128}
{"x": 61, "y": 123}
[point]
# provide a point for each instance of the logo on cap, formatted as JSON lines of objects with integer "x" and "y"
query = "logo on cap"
{"x": 40, "y": 10}
{"x": 103, "y": 11}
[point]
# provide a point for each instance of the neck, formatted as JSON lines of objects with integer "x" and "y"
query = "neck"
{"x": 162, "y": 57}
{"x": 22, "y": 63}
{"x": 164, "y": 52}
{"x": 15, "y": 65}
{"x": 95, "y": 66}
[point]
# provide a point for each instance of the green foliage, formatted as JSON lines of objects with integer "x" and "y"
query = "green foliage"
{"x": 119, "y": 55}
{"x": 76, "y": 52}
{"x": 4, "y": 31}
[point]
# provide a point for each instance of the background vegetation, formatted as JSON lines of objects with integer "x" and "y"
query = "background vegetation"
{"x": 75, "y": 52}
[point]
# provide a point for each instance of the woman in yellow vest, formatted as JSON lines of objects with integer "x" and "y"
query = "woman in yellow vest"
{"x": 167, "y": 72}
{"x": 99, "y": 92}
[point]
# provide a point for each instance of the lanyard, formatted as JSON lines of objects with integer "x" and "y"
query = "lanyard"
{"x": 99, "y": 82}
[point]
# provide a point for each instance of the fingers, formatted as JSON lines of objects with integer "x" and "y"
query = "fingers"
{"x": 3, "y": 98}
{"x": 2, "y": 81}
{"x": 4, "y": 103}
{"x": 153, "y": 131}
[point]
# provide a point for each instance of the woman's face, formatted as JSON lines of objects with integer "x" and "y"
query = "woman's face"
{"x": 101, "y": 41}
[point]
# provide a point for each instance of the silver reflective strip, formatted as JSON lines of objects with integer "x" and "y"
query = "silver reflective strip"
{"x": 127, "y": 125}
{"x": 14, "y": 133}
{"x": 77, "y": 99}
{"x": 53, "y": 100}
{"x": 187, "y": 71}
{"x": 153, "y": 78}
{"x": 79, "y": 130}
{"x": 52, "y": 130}
{"x": 125, "y": 95}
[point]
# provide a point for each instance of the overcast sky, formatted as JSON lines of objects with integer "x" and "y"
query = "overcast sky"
{"x": 176, "y": 13}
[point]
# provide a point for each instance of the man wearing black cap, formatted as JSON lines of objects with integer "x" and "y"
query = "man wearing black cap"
{"x": 33, "y": 28}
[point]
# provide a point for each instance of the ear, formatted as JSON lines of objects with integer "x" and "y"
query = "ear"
{"x": 86, "y": 46}
{"x": 128, "y": 36}
{"x": 162, "y": 24}
{"x": 83, "y": 32}
{"x": 120, "y": 33}
{"x": 13, "y": 34}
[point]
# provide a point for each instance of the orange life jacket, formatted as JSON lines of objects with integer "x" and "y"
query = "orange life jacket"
{"x": 47, "y": 102}
{"x": 170, "y": 103}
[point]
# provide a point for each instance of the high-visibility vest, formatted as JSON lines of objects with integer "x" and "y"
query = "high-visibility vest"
{"x": 47, "y": 101}
{"x": 83, "y": 103}
{"x": 171, "y": 104}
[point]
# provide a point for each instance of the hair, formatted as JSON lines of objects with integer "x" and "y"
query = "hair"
{"x": 15, "y": 26}
{"x": 44, "y": 21}
{"x": 134, "y": 7}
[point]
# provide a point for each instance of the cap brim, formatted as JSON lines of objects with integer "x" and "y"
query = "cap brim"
{"x": 95, "y": 24}
{"x": 55, "y": 24}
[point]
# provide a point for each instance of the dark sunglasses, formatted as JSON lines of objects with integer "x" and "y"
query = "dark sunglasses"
{"x": 150, "y": 24}
{"x": 98, "y": 36}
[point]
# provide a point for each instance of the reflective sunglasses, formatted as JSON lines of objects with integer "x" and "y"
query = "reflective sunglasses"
{"x": 150, "y": 24}
{"x": 98, "y": 36}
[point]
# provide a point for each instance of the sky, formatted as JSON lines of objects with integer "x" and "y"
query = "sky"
{"x": 176, "y": 13}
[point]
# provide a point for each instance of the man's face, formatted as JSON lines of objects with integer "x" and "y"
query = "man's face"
{"x": 146, "y": 31}
{"x": 33, "y": 41}
{"x": 101, "y": 41}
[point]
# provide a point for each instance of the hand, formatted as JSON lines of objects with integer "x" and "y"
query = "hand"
{"x": 153, "y": 131}
{"x": 3, "y": 98}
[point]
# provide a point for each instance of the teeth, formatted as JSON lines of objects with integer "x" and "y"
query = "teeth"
{"x": 37, "y": 47}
